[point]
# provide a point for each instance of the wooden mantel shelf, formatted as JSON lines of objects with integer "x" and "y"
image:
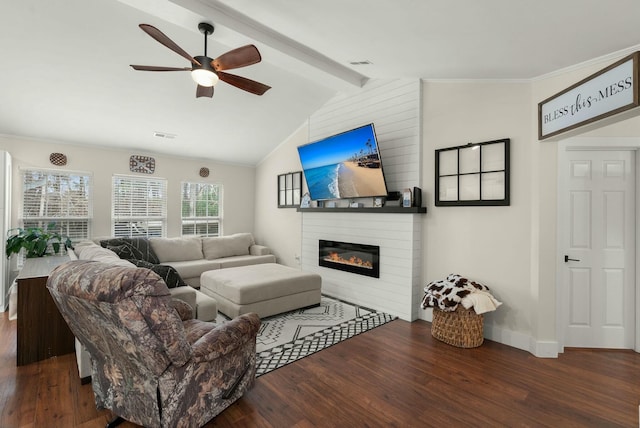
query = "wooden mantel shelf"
{"x": 377, "y": 210}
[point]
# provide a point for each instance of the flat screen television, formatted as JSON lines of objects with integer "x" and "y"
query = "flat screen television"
{"x": 345, "y": 165}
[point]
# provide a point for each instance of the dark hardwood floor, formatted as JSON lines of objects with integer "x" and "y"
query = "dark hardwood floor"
{"x": 396, "y": 375}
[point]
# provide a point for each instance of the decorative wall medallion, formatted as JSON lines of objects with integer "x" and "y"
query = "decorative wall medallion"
{"x": 143, "y": 164}
{"x": 204, "y": 172}
{"x": 59, "y": 159}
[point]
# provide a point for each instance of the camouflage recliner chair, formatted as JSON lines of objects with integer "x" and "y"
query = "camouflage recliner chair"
{"x": 152, "y": 364}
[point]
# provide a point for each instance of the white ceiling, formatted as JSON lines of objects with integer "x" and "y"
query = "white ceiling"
{"x": 65, "y": 75}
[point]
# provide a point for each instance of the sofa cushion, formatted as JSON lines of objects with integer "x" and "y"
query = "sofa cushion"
{"x": 194, "y": 268}
{"x": 177, "y": 249}
{"x": 226, "y": 246}
{"x": 169, "y": 275}
{"x": 139, "y": 244}
{"x": 236, "y": 261}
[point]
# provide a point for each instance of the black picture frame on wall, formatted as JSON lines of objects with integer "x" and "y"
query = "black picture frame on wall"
{"x": 475, "y": 174}
{"x": 289, "y": 189}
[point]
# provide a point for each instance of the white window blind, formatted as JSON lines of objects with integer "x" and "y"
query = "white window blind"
{"x": 139, "y": 206}
{"x": 201, "y": 209}
{"x": 62, "y": 197}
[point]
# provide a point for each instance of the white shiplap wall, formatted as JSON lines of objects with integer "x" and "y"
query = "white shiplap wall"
{"x": 398, "y": 290}
{"x": 394, "y": 107}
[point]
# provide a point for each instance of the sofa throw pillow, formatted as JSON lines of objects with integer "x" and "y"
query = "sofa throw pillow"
{"x": 99, "y": 254}
{"x": 126, "y": 251}
{"x": 169, "y": 275}
{"x": 79, "y": 247}
{"x": 140, "y": 244}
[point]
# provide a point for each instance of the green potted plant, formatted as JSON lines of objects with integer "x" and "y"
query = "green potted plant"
{"x": 36, "y": 240}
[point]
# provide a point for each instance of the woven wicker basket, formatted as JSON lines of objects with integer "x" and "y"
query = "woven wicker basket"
{"x": 462, "y": 328}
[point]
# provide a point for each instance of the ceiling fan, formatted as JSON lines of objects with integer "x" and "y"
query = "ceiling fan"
{"x": 206, "y": 71}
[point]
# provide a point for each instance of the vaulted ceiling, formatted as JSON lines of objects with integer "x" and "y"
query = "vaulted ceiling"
{"x": 65, "y": 75}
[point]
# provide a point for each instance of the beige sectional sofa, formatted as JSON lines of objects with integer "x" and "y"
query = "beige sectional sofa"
{"x": 191, "y": 256}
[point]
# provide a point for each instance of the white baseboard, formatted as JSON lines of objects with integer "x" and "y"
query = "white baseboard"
{"x": 539, "y": 348}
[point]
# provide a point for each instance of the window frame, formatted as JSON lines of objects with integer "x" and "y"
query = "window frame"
{"x": 196, "y": 220}
{"x": 476, "y": 169}
{"x": 290, "y": 189}
{"x": 63, "y": 220}
{"x": 152, "y": 219}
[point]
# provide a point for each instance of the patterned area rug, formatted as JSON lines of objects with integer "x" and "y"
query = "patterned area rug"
{"x": 288, "y": 337}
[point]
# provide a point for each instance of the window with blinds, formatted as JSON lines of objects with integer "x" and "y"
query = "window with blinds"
{"x": 139, "y": 206}
{"x": 62, "y": 197}
{"x": 201, "y": 209}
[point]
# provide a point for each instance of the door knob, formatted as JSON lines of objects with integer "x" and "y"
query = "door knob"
{"x": 567, "y": 259}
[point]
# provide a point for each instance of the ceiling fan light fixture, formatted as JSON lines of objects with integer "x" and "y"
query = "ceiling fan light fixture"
{"x": 203, "y": 74}
{"x": 204, "y": 77}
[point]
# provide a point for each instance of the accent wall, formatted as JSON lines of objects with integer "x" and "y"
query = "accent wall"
{"x": 510, "y": 249}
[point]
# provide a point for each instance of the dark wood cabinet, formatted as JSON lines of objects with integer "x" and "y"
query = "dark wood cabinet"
{"x": 42, "y": 332}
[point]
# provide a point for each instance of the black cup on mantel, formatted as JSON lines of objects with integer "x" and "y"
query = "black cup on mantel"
{"x": 394, "y": 199}
{"x": 417, "y": 197}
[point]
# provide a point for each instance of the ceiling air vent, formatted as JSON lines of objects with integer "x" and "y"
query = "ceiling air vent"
{"x": 164, "y": 135}
{"x": 365, "y": 62}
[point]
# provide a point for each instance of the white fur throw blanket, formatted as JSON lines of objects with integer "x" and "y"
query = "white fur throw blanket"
{"x": 447, "y": 294}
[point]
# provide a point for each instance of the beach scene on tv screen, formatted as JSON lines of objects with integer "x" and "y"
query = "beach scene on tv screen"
{"x": 346, "y": 165}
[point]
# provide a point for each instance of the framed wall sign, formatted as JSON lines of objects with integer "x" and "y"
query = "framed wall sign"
{"x": 289, "y": 189}
{"x": 605, "y": 93}
{"x": 473, "y": 174}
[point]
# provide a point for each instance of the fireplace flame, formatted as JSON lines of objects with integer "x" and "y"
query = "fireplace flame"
{"x": 353, "y": 260}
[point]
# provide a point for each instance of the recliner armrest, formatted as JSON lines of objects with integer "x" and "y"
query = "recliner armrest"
{"x": 226, "y": 338}
{"x": 185, "y": 311}
{"x": 187, "y": 295}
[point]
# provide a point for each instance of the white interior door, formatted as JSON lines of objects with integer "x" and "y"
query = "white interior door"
{"x": 597, "y": 235}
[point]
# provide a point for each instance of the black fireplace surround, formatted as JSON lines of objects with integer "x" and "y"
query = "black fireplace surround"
{"x": 350, "y": 257}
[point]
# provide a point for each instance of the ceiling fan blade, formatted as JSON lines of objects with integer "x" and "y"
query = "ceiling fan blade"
{"x": 155, "y": 68}
{"x": 240, "y": 57}
{"x": 163, "y": 39}
{"x": 204, "y": 91}
{"x": 244, "y": 83}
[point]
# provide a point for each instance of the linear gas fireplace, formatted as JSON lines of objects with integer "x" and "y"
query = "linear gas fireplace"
{"x": 350, "y": 257}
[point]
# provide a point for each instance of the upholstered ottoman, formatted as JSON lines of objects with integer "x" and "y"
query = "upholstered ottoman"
{"x": 266, "y": 289}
